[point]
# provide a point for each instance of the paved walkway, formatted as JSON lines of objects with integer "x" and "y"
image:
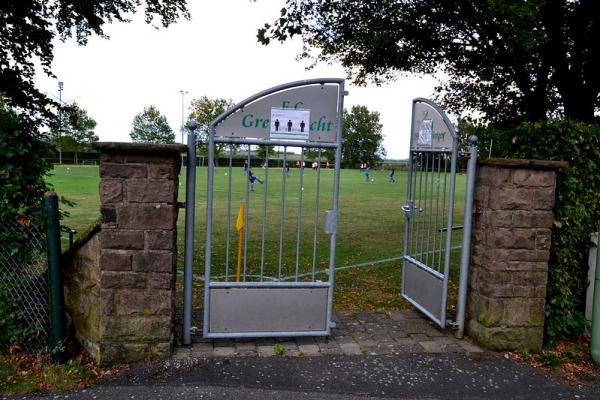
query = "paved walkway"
{"x": 366, "y": 333}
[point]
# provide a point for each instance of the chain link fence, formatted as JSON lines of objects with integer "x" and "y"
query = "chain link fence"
{"x": 24, "y": 281}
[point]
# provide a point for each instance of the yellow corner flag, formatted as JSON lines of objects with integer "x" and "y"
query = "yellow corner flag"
{"x": 239, "y": 225}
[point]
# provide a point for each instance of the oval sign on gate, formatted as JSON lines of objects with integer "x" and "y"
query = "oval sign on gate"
{"x": 431, "y": 128}
{"x": 253, "y": 119}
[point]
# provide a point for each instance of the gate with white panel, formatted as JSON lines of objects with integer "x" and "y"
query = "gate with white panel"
{"x": 429, "y": 210}
{"x": 271, "y": 223}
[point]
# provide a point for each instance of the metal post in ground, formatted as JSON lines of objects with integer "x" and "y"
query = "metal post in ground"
{"x": 595, "y": 342}
{"x": 57, "y": 302}
{"x": 190, "y": 208}
{"x": 466, "y": 242}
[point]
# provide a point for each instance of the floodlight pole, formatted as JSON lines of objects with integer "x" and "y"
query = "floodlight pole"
{"x": 183, "y": 93}
{"x": 60, "y": 89}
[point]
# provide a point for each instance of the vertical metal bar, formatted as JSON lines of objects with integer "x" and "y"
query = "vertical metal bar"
{"x": 299, "y": 215}
{"x": 417, "y": 214}
{"x": 449, "y": 233}
{"x": 57, "y": 300}
{"x": 264, "y": 216}
{"x": 413, "y": 195}
{"x": 284, "y": 175}
{"x": 466, "y": 242}
{"x": 314, "y": 259}
{"x": 246, "y": 227}
{"x": 437, "y": 210}
{"x": 336, "y": 191}
{"x": 444, "y": 232}
{"x": 228, "y": 242}
{"x": 430, "y": 209}
{"x": 410, "y": 204}
{"x": 209, "y": 215}
{"x": 190, "y": 221}
{"x": 423, "y": 199}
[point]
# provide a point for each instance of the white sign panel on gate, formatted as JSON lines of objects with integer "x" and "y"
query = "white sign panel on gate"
{"x": 254, "y": 119}
{"x": 430, "y": 130}
{"x": 290, "y": 124}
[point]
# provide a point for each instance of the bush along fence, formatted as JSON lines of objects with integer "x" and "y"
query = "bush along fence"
{"x": 31, "y": 302}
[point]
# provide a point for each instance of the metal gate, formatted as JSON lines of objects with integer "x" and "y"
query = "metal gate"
{"x": 429, "y": 210}
{"x": 267, "y": 233}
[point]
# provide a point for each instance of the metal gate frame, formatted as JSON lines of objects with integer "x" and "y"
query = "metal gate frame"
{"x": 421, "y": 282}
{"x": 421, "y": 275}
{"x": 256, "y": 290}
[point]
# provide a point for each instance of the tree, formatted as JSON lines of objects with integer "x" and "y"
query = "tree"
{"x": 150, "y": 126}
{"x": 510, "y": 60}
{"x": 27, "y": 31}
{"x": 262, "y": 152}
{"x": 362, "y": 137}
{"x": 74, "y": 130}
{"x": 204, "y": 110}
{"x": 24, "y": 155}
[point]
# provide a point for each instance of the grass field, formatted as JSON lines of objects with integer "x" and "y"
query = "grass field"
{"x": 371, "y": 227}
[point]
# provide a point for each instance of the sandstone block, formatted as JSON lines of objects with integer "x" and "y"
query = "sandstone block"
{"x": 504, "y": 238}
{"x": 111, "y": 191}
{"x": 506, "y": 338}
{"x": 544, "y": 198}
{"x": 534, "y": 178}
{"x": 112, "y": 352}
{"x": 543, "y": 239}
{"x": 150, "y": 159}
{"x": 122, "y": 280}
{"x": 160, "y": 281}
{"x": 151, "y": 190}
{"x": 108, "y": 214}
{"x": 142, "y": 302}
{"x": 111, "y": 158}
{"x": 114, "y": 170}
{"x": 136, "y": 328}
{"x": 154, "y": 261}
{"x": 500, "y": 219}
{"x": 115, "y": 260}
{"x": 122, "y": 239}
{"x": 532, "y": 219}
{"x": 160, "y": 240}
{"x": 499, "y": 177}
{"x": 512, "y": 199}
{"x": 146, "y": 216}
{"x": 162, "y": 171}
{"x": 524, "y": 312}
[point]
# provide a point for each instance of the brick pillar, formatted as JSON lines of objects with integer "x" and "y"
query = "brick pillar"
{"x": 137, "y": 250}
{"x": 511, "y": 238}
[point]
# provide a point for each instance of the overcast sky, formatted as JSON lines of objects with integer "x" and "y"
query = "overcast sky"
{"x": 215, "y": 54}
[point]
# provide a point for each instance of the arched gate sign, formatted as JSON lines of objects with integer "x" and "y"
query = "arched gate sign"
{"x": 266, "y": 234}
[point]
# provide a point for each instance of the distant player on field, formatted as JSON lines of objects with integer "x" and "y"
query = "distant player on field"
{"x": 392, "y": 175}
{"x": 252, "y": 178}
{"x": 367, "y": 173}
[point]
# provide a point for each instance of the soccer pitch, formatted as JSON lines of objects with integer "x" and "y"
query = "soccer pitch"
{"x": 370, "y": 228}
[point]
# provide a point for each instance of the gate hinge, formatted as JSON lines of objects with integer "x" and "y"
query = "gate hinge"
{"x": 452, "y": 324}
{"x": 194, "y": 330}
{"x": 330, "y": 222}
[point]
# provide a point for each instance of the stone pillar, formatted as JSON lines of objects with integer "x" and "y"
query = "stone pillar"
{"x": 138, "y": 196}
{"x": 512, "y": 228}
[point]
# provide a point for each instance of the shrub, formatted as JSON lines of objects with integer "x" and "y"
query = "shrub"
{"x": 14, "y": 327}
